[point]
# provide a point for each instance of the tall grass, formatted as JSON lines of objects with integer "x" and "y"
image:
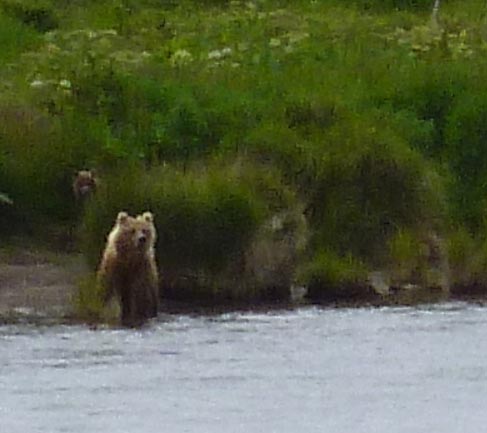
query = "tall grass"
{"x": 14, "y": 38}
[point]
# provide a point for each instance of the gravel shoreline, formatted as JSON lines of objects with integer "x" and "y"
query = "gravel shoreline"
{"x": 38, "y": 283}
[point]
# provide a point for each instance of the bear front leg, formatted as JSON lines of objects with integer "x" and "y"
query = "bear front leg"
{"x": 129, "y": 308}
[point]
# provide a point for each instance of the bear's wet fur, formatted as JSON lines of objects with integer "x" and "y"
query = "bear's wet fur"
{"x": 128, "y": 268}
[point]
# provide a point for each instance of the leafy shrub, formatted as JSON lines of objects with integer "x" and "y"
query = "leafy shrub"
{"x": 39, "y": 15}
{"x": 14, "y": 38}
{"x": 277, "y": 144}
{"x": 369, "y": 183}
{"x": 329, "y": 276}
{"x": 408, "y": 261}
{"x": 419, "y": 133}
{"x": 468, "y": 262}
{"x": 429, "y": 90}
{"x": 465, "y": 138}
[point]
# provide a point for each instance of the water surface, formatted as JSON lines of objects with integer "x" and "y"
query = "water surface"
{"x": 306, "y": 370}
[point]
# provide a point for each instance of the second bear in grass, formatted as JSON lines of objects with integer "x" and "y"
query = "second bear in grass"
{"x": 128, "y": 268}
{"x": 84, "y": 185}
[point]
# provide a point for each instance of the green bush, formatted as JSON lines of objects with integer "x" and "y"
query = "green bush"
{"x": 204, "y": 217}
{"x": 14, "y": 38}
{"x": 408, "y": 258}
{"x": 38, "y": 14}
{"x": 427, "y": 91}
{"x": 468, "y": 262}
{"x": 277, "y": 144}
{"x": 465, "y": 138}
{"x": 37, "y": 165}
{"x": 368, "y": 184}
{"x": 331, "y": 277}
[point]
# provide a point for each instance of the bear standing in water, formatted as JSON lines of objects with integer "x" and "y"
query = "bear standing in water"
{"x": 128, "y": 268}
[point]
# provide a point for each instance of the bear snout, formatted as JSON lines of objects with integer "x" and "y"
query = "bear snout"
{"x": 85, "y": 190}
{"x": 141, "y": 239}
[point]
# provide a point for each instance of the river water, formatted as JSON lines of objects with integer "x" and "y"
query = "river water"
{"x": 400, "y": 369}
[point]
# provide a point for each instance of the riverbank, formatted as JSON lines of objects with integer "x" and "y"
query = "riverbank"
{"x": 38, "y": 284}
{"x": 41, "y": 285}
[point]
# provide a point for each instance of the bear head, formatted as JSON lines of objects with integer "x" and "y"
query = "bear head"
{"x": 134, "y": 237}
{"x": 84, "y": 184}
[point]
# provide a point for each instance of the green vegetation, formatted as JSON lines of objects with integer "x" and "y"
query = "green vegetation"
{"x": 89, "y": 304}
{"x": 333, "y": 278}
{"x": 341, "y": 132}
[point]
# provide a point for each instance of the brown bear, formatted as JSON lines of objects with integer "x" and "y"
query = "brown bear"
{"x": 84, "y": 184}
{"x": 128, "y": 268}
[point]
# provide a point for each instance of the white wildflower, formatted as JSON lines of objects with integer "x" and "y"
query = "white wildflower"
{"x": 215, "y": 55}
{"x": 65, "y": 84}
{"x": 37, "y": 84}
{"x": 108, "y": 32}
{"x": 227, "y": 51}
{"x": 181, "y": 57}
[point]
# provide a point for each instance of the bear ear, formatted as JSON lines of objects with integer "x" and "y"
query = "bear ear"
{"x": 122, "y": 217}
{"x": 148, "y": 217}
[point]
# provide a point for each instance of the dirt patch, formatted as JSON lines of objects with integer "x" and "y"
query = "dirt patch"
{"x": 37, "y": 282}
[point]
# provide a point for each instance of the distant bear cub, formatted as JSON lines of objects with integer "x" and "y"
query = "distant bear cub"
{"x": 84, "y": 184}
{"x": 128, "y": 268}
